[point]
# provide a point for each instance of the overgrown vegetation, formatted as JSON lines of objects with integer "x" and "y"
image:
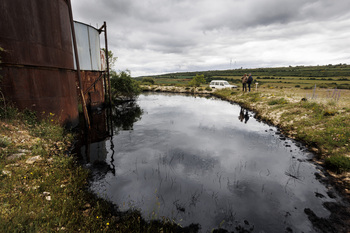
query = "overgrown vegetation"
{"x": 338, "y": 163}
{"x": 111, "y": 59}
{"x": 124, "y": 87}
{"x": 277, "y": 101}
{"x": 197, "y": 81}
{"x": 149, "y": 81}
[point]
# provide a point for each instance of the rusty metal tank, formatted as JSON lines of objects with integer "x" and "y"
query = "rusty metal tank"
{"x": 37, "y": 66}
{"x": 88, "y": 43}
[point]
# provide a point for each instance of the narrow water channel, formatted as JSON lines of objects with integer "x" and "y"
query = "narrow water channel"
{"x": 205, "y": 161}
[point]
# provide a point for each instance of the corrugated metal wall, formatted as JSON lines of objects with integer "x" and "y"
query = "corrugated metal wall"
{"x": 38, "y": 69}
{"x": 38, "y": 64}
{"x": 88, "y": 42}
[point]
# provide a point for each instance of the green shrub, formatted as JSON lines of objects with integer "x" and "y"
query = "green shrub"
{"x": 338, "y": 163}
{"x": 277, "y": 101}
{"x": 30, "y": 117}
{"x": 323, "y": 85}
{"x": 197, "y": 81}
{"x": 315, "y": 107}
{"x": 208, "y": 88}
{"x": 4, "y": 142}
{"x": 308, "y": 88}
{"x": 254, "y": 97}
{"x": 148, "y": 81}
{"x": 329, "y": 112}
{"x": 123, "y": 86}
{"x": 8, "y": 113}
{"x": 343, "y": 86}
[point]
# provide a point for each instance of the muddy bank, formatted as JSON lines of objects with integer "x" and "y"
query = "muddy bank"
{"x": 173, "y": 89}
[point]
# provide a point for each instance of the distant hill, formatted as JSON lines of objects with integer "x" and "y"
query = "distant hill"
{"x": 340, "y": 70}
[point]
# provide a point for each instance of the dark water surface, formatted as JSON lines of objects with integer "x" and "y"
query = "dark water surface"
{"x": 206, "y": 161}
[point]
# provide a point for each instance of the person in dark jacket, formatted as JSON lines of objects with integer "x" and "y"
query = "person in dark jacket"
{"x": 249, "y": 81}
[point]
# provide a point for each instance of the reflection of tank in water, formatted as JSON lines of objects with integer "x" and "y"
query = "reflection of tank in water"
{"x": 93, "y": 141}
{"x": 93, "y": 150}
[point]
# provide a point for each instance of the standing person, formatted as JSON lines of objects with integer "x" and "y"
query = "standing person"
{"x": 249, "y": 81}
{"x": 244, "y": 82}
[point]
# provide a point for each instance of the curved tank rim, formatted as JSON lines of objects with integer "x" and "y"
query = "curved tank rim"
{"x": 86, "y": 25}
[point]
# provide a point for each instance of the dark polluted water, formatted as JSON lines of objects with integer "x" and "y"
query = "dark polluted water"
{"x": 206, "y": 161}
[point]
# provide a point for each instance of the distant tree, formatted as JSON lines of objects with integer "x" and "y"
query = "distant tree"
{"x": 148, "y": 80}
{"x": 197, "y": 80}
{"x": 124, "y": 87}
{"x": 111, "y": 59}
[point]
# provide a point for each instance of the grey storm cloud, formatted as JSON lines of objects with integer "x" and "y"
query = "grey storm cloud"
{"x": 158, "y": 36}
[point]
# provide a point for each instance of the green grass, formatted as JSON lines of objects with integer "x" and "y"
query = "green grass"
{"x": 277, "y": 101}
{"x": 338, "y": 163}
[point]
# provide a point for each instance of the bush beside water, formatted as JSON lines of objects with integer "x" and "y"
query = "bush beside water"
{"x": 338, "y": 163}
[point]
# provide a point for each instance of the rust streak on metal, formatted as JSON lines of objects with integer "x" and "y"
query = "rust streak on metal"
{"x": 94, "y": 83}
{"x": 38, "y": 69}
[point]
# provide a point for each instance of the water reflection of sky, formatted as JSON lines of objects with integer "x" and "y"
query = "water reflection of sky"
{"x": 193, "y": 160}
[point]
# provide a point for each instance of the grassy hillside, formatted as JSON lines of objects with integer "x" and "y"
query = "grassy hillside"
{"x": 330, "y": 76}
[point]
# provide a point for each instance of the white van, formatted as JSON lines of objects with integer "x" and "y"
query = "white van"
{"x": 219, "y": 84}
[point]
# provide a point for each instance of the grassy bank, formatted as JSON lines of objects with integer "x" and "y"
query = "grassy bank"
{"x": 321, "y": 122}
{"x": 316, "y": 117}
{"x": 44, "y": 189}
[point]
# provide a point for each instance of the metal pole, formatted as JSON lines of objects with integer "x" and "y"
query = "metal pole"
{"x": 108, "y": 77}
{"x": 77, "y": 63}
{"x": 109, "y": 81}
{"x": 100, "y": 30}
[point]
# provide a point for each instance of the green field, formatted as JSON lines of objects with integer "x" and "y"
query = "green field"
{"x": 305, "y": 77}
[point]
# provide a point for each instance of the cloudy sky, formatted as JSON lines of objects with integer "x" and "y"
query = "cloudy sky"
{"x": 162, "y": 36}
